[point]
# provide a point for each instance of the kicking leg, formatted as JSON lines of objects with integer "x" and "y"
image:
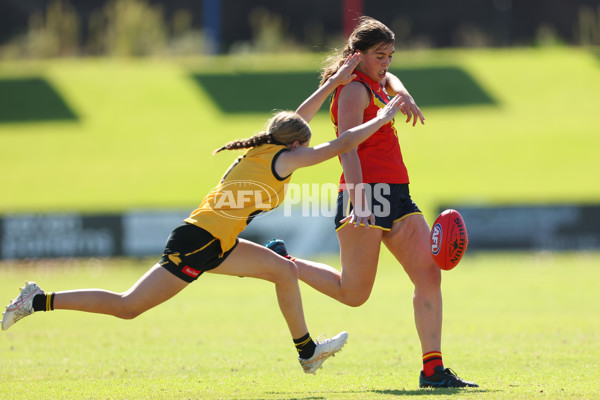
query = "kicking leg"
{"x": 408, "y": 241}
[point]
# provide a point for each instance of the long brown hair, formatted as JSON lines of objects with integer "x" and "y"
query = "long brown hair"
{"x": 368, "y": 33}
{"x": 284, "y": 128}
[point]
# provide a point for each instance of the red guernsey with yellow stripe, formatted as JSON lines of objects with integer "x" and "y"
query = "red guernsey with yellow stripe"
{"x": 380, "y": 156}
{"x": 249, "y": 187}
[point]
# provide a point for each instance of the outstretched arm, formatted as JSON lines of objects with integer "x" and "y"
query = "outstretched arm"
{"x": 310, "y": 106}
{"x": 300, "y": 157}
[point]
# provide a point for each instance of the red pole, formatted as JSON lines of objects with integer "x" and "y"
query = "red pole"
{"x": 352, "y": 9}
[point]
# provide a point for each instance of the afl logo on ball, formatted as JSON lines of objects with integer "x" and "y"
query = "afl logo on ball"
{"x": 436, "y": 239}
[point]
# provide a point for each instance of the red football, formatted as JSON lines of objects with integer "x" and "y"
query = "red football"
{"x": 449, "y": 239}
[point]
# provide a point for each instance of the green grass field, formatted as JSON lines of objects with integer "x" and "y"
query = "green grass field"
{"x": 522, "y": 326}
{"x": 144, "y": 130}
{"x": 503, "y": 126}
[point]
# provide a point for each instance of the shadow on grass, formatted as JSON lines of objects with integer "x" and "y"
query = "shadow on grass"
{"x": 32, "y": 100}
{"x": 293, "y": 398}
{"x": 395, "y": 392}
{"x": 430, "y": 392}
{"x": 247, "y": 92}
{"x": 443, "y": 87}
{"x": 326, "y": 394}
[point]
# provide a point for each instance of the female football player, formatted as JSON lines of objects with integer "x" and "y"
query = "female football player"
{"x": 375, "y": 179}
{"x": 208, "y": 240}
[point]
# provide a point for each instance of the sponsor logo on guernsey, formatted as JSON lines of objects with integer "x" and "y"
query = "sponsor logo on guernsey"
{"x": 436, "y": 239}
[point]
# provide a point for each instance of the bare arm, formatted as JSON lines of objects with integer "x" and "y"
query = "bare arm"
{"x": 351, "y": 107}
{"x": 346, "y": 142}
{"x": 311, "y": 105}
{"x": 394, "y": 86}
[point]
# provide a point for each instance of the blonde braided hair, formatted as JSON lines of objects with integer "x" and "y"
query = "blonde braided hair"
{"x": 284, "y": 128}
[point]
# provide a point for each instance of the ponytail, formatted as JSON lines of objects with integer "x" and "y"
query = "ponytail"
{"x": 256, "y": 140}
{"x": 286, "y": 127}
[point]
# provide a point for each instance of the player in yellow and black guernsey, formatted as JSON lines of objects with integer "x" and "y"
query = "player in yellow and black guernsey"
{"x": 249, "y": 187}
{"x": 208, "y": 240}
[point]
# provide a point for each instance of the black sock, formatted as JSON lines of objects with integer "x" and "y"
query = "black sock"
{"x": 305, "y": 346}
{"x": 43, "y": 302}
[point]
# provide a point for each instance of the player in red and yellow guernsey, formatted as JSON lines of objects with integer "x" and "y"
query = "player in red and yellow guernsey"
{"x": 380, "y": 155}
{"x": 208, "y": 240}
{"x": 374, "y": 204}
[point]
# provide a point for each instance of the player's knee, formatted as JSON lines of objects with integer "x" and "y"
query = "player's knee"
{"x": 355, "y": 299}
{"x": 432, "y": 278}
{"x": 283, "y": 272}
{"x": 427, "y": 277}
{"x": 128, "y": 313}
{"x": 128, "y": 310}
{"x": 290, "y": 271}
{"x": 124, "y": 314}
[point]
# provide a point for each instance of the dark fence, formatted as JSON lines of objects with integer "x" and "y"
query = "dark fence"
{"x": 144, "y": 233}
{"x": 76, "y": 235}
{"x": 440, "y": 23}
{"x": 532, "y": 227}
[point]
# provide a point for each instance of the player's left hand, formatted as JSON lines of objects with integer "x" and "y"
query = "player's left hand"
{"x": 410, "y": 108}
{"x": 365, "y": 218}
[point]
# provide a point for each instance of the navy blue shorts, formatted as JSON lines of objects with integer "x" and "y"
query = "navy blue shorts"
{"x": 390, "y": 202}
{"x": 190, "y": 251}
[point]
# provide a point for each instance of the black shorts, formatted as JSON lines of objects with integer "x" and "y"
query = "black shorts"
{"x": 190, "y": 251}
{"x": 390, "y": 202}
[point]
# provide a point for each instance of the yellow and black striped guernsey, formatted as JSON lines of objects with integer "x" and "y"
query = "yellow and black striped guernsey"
{"x": 249, "y": 187}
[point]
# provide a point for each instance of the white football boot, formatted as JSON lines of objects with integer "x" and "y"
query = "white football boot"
{"x": 324, "y": 350}
{"x": 22, "y": 306}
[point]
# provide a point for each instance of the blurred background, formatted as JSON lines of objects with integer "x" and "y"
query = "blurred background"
{"x": 109, "y": 111}
{"x": 59, "y": 28}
